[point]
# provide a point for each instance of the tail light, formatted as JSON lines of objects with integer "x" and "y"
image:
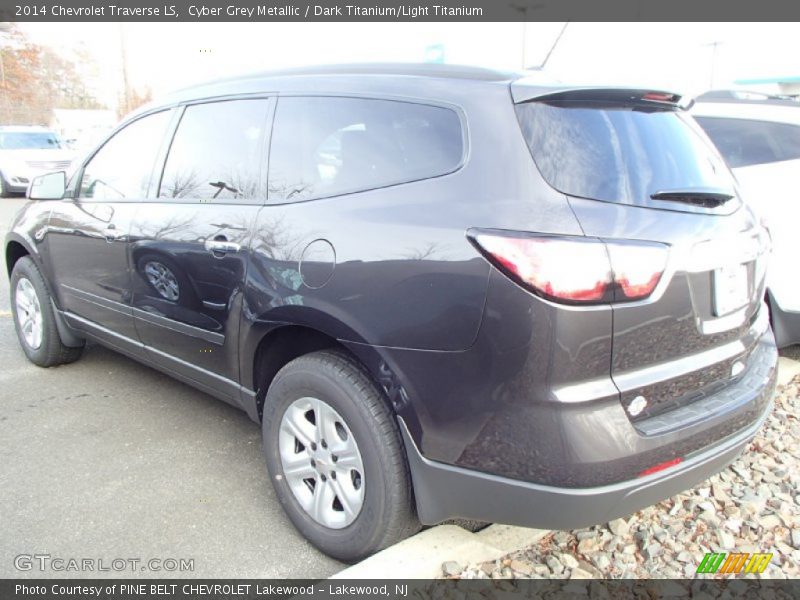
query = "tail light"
{"x": 637, "y": 268}
{"x": 575, "y": 270}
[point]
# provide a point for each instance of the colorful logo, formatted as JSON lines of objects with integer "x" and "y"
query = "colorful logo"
{"x": 720, "y": 562}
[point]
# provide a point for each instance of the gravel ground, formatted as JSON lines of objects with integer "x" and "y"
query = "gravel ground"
{"x": 752, "y": 506}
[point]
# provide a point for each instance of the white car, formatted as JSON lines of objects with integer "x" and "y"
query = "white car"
{"x": 28, "y": 151}
{"x": 760, "y": 140}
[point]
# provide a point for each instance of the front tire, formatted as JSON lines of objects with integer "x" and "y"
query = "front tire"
{"x": 335, "y": 457}
{"x": 34, "y": 319}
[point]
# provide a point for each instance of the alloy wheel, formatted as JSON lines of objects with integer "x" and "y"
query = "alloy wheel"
{"x": 29, "y": 313}
{"x": 321, "y": 462}
{"x": 163, "y": 280}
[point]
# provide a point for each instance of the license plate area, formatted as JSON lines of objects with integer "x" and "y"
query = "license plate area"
{"x": 731, "y": 290}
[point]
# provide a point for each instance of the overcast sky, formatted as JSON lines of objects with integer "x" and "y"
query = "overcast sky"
{"x": 677, "y": 56}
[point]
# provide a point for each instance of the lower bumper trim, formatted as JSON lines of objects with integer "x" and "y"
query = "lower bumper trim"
{"x": 446, "y": 492}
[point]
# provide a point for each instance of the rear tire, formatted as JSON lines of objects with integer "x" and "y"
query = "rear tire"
{"x": 34, "y": 319}
{"x": 338, "y": 401}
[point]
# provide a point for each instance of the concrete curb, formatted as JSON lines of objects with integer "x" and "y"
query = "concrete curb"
{"x": 421, "y": 556}
{"x": 788, "y": 369}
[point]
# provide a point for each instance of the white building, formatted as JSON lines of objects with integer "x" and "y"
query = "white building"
{"x": 82, "y": 127}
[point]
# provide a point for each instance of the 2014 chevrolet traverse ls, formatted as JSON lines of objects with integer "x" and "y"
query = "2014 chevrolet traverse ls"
{"x": 443, "y": 291}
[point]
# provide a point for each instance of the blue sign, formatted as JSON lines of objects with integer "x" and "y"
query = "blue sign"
{"x": 434, "y": 54}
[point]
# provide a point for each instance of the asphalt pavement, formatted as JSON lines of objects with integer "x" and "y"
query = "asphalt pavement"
{"x": 108, "y": 460}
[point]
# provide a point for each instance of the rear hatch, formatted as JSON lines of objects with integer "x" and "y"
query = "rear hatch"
{"x": 635, "y": 167}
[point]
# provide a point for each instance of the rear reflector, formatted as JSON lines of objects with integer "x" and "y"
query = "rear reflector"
{"x": 661, "y": 467}
{"x": 574, "y": 270}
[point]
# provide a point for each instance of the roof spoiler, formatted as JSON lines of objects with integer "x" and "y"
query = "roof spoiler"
{"x": 524, "y": 92}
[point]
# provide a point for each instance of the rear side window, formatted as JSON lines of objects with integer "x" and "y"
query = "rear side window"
{"x": 216, "y": 152}
{"x": 619, "y": 154}
{"x": 745, "y": 142}
{"x": 121, "y": 169}
{"x": 330, "y": 146}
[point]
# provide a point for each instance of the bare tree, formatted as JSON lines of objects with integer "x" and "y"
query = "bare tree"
{"x": 34, "y": 80}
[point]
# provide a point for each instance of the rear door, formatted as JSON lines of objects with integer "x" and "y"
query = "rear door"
{"x": 635, "y": 167}
{"x": 88, "y": 234}
{"x": 189, "y": 245}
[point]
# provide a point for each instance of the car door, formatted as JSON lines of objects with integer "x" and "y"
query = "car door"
{"x": 188, "y": 248}
{"x": 88, "y": 232}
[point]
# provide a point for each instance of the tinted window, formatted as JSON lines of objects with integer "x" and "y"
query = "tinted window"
{"x": 744, "y": 142}
{"x": 122, "y": 167}
{"x": 329, "y": 146}
{"x": 216, "y": 152}
{"x": 619, "y": 154}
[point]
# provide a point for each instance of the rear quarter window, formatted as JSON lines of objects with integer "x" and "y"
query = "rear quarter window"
{"x": 746, "y": 142}
{"x": 619, "y": 153}
{"x": 323, "y": 147}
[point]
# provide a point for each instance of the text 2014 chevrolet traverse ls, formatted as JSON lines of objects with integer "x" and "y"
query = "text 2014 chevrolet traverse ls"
{"x": 444, "y": 292}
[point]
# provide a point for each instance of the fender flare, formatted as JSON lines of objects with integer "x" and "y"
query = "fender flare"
{"x": 375, "y": 359}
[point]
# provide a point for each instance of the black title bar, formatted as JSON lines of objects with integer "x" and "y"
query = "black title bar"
{"x": 416, "y": 589}
{"x": 389, "y": 10}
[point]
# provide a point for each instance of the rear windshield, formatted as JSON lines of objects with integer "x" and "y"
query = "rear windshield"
{"x": 619, "y": 153}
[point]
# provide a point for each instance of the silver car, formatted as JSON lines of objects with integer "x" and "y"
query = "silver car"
{"x": 28, "y": 151}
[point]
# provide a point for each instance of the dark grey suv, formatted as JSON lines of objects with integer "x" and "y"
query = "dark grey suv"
{"x": 443, "y": 292}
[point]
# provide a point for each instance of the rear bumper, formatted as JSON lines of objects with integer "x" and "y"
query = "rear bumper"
{"x": 445, "y": 491}
{"x": 15, "y": 181}
{"x": 15, "y": 186}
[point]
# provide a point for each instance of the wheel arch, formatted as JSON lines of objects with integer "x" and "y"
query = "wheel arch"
{"x": 283, "y": 342}
{"x": 276, "y": 348}
{"x": 17, "y": 248}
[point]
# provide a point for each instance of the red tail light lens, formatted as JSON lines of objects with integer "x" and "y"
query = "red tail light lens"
{"x": 574, "y": 270}
{"x": 556, "y": 268}
{"x": 637, "y": 268}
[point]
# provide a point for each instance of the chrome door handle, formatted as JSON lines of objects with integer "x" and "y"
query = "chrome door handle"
{"x": 220, "y": 248}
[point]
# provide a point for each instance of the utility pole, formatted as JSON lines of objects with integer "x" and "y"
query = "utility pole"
{"x": 124, "y": 57}
{"x": 4, "y": 29}
{"x": 523, "y": 10}
{"x": 524, "y": 36}
{"x": 553, "y": 47}
{"x": 714, "y": 47}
